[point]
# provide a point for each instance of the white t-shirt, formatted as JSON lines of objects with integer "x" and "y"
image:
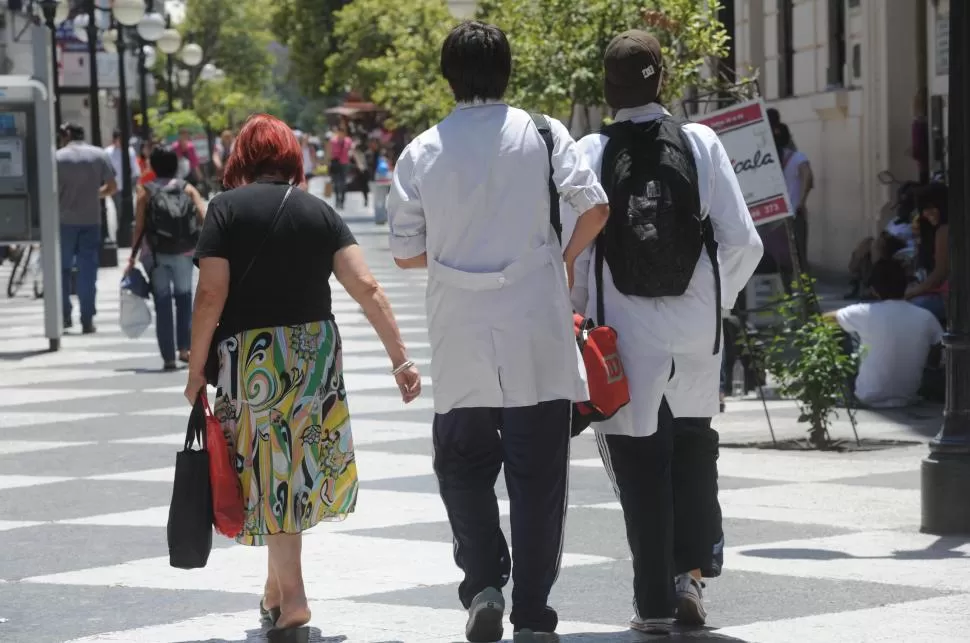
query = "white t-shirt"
{"x": 897, "y": 337}
{"x": 791, "y": 162}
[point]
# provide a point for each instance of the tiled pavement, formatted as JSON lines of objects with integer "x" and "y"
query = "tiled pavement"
{"x": 821, "y": 547}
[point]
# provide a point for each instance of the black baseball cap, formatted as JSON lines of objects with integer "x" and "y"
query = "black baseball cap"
{"x": 633, "y": 66}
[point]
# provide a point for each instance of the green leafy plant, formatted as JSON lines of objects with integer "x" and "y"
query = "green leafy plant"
{"x": 807, "y": 358}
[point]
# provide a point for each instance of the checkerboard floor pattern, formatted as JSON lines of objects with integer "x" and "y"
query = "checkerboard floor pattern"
{"x": 820, "y": 547}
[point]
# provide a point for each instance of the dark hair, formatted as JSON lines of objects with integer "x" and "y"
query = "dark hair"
{"x": 888, "y": 279}
{"x": 116, "y": 133}
{"x": 783, "y": 138}
{"x": 774, "y": 117}
{"x": 934, "y": 195}
{"x": 265, "y": 146}
{"x": 476, "y": 60}
{"x": 72, "y": 131}
{"x": 164, "y": 161}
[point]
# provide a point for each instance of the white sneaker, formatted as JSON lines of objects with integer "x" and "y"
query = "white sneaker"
{"x": 485, "y": 617}
{"x": 690, "y": 600}
{"x": 651, "y": 625}
{"x": 528, "y": 636}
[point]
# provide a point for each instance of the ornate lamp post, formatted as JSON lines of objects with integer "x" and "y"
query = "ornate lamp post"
{"x": 946, "y": 471}
{"x": 55, "y": 12}
{"x": 150, "y": 29}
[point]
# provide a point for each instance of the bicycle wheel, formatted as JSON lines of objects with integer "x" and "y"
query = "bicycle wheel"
{"x": 19, "y": 273}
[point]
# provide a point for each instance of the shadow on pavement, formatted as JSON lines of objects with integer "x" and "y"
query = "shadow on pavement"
{"x": 943, "y": 548}
{"x": 18, "y": 355}
{"x": 259, "y": 636}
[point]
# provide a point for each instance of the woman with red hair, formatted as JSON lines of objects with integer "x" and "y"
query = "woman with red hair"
{"x": 265, "y": 254}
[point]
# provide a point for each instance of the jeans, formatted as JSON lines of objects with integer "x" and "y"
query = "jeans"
{"x": 80, "y": 247}
{"x": 381, "y": 191}
{"x": 471, "y": 445}
{"x": 338, "y": 174}
{"x": 172, "y": 279}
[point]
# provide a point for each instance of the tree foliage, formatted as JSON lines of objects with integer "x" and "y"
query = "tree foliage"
{"x": 306, "y": 27}
{"x": 390, "y": 51}
{"x": 558, "y": 46}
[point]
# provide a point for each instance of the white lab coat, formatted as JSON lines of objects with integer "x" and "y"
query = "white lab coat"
{"x": 656, "y": 334}
{"x": 472, "y": 192}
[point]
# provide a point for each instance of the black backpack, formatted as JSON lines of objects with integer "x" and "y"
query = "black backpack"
{"x": 656, "y": 232}
{"x": 173, "y": 226}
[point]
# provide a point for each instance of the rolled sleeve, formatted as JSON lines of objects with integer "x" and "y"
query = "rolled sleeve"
{"x": 405, "y": 213}
{"x": 576, "y": 181}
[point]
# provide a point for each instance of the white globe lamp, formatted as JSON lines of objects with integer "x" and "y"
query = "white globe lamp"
{"x": 128, "y": 12}
{"x": 184, "y": 77}
{"x": 109, "y": 41}
{"x": 150, "y": 56}
{"x": 208, "y": 72}
{"x": 191, "y": 54}
{"x": 62, "y": 12}
{"x": 151, "y": 27}
{"x": 169, "y": 42}
{"x": 81, "y": 27}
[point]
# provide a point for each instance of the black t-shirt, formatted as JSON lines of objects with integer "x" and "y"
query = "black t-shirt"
{"x": 289, "y": 282}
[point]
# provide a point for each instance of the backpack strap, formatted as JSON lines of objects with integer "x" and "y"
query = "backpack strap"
{"x": 545, "y": 131}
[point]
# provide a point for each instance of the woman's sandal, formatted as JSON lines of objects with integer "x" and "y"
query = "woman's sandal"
{"x": 268, "y": 616}
{"x": 299, "y": 634}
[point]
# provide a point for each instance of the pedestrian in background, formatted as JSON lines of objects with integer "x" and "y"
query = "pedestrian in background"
{"x": 266, "y": 255}
{"x": 470, "y": 200}
{"x": 679, "y": 245}
{"x": 115, "y": 150}
{"x": 85, "y": 176}
{"x": 168, "y": 217}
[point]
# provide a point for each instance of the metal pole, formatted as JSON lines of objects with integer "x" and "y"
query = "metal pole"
{"x": 94, "y": 90}
{"x": 946, "y": 471}
{"x": 170, "y": 66}
{"x": 45, "y": 70}
{"x": 127, "y": 215}
{"x": 146, "y": 128}
{"x": 55, "y": 83}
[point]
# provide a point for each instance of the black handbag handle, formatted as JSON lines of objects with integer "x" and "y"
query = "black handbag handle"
{"x": 196, "y": 429}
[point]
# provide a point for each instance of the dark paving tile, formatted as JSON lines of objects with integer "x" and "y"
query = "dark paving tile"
{"x": 89, "y": 460}
{"x": 126, "y": 401}
{"x": 903, "y": 480}
{"x": 103, "y": 546}
{"x": 603, "y": 594}
{"x": 82, "y": 498}
{"x": 38, "y": 613}
{"x": 110, "y": 427}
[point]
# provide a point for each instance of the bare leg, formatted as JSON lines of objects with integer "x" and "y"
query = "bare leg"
{"x": 271, "y": 593}
{"x": 285, "y": 562}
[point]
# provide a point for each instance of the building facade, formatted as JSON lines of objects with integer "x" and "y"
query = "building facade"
{"x": 462, "y": 8}
{"x": 849, "y": 77}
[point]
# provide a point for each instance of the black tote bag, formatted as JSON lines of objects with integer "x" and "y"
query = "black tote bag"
{"x": 190, "y": 514}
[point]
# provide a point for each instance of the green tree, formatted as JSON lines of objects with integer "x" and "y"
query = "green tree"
{"x": 558, "y": 46}
{"x": 390, "y": 51}
{"x": 306, "y": 27}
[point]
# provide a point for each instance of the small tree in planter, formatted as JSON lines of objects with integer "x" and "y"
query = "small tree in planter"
{"x": 807, "y": 359}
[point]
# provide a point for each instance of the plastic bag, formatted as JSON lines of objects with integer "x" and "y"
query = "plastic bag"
{"x": 135, "y": 316}
{"x": 227, "y": 501}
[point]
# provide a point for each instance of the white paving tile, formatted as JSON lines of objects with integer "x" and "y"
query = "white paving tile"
{"x": 18, "y": 396}
{"x": 376, "y": 382}
{"x": 8, "y": 447}
{"x": 13, "y": 482}
{"x": 809, "y": 467}
{"x": 377, "y": 465}
{"x": 27, "y": 376}
{"x": 846, "y": 506}
{"x": 365, "y": 565}
{"x": 151, "y": 517}
{"x": 174, "y": 439}
{"x": 359, "y": 362}
{"x": 66, "y": 357}
{"x": 367, "y": 431}
{"x": 385, "y": 404}
{"x": 13, "y": 419}
{"x": 941, "y": 620}
{"x": 7, "y": 525}
{"x": 165, "y": 474}
{"x": 889, "y": 557}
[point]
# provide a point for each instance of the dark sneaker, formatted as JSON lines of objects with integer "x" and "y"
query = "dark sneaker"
{"x": 88, "y": 329}
{"x": 485, "y": 617}
{"x": 652, "y": 625}
{"x": 690, "y": 600}
{"x": 170, "y": 366}
{"x": 68, "y": 324}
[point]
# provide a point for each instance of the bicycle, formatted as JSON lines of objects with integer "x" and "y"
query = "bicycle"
{"x": 27, "y": 264}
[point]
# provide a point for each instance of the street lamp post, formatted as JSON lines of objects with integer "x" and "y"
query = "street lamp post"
{"x": 151, "y": 27}
{"x": 52, "y": 11}
{"x": 946, "y": 471}
{"x": 127, "y": 215}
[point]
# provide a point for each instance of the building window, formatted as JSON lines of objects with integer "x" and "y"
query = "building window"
{"x": 836, "y": 71}
{"x": 786, "y": 50}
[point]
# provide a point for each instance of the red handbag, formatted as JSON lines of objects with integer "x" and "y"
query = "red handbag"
{"x": 228, "y": 512}
{"x": 609, "y": 390}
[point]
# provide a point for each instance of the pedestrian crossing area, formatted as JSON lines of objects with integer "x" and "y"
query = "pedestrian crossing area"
{"x": 820, "y": 547}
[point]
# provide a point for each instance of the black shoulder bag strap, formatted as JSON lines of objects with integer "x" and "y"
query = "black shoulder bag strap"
{"x": 545, "y": 131}
{"x": 555, "y": 219}
{"x": 269, "y": 233}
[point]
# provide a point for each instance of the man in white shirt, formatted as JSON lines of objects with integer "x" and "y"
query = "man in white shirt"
{"x": 114, "y": 153}
{"x": 896, "y": 337}
{"x": 661, "y": 445}
{"x": 470, "y": 200}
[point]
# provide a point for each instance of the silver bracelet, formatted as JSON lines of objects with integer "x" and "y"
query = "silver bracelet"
{"x": 403, "y": 367}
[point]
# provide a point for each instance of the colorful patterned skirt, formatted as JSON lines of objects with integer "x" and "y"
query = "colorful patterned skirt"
{"x": 283, "y": 404}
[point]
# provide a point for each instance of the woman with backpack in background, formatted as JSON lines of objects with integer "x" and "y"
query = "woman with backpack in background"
{"x": 168, "y": 217}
